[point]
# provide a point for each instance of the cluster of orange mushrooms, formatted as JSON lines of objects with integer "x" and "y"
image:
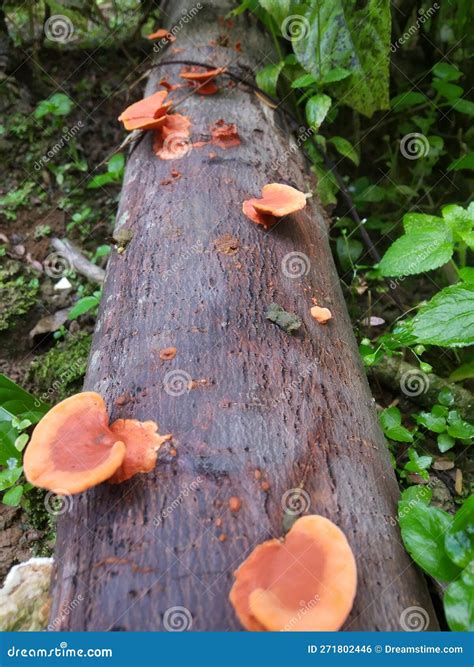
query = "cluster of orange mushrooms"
{"x": 305, "y": 581}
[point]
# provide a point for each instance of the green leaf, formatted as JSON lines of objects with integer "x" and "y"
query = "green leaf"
{"x": 9, "y": 476}
{"x": 459, "y": 540}
{"x": 417, "y": 494}
{"x": 317, "y": 108}
{"x": 407, "y": 100}
{"x": 447, "y": 319}
{"x": 459, "y": 602}
{"x": 458, "y": 428}
{"x": 464, "y": 106}
{"x": 267, "y": 78}
{"x": 13, "y": 496}
{"x": 446, "y": 71}
{"x": 431, "y": 422}
{"x": 417, "y": 252}
{"x": 83, "y": 306}
{"x": 445, "y": 442}
{"x": 341, "y": 37}
{"x": 420, "y": 222}
{"x": 326, "y": 185}
{"x": 336, "y": 74}
{"x": 423, "y": 532}
{"x": 463, "y": 372}
{"x": 116, "y": 164}
{"x": 463, "y": 162}
{"x": 348, "y": 251}
{"x": 58, "y": 104}
{"x": 391, "y": 422}
{"x": 303, "y": 81}
{"x": 448, "y": 90}
{"x": 278, "y": 9}
{"x": 16, "y": 402}
{"x": 345, "y": 148}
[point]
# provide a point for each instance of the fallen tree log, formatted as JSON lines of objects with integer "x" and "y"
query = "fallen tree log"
{"x": 256, "y": 414}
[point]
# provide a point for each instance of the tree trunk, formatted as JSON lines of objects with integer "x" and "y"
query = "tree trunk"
{"x": 255, "y": 413}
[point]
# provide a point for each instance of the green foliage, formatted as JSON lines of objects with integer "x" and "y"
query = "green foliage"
{"x": 18, "y": 293}
{"x": 443, "y": 546}
{"x": 57, "y": 104}
{"x": 85, "y": 305}
{"x": 114, "y": 173}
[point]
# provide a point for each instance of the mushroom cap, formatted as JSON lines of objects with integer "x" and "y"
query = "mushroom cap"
{"x": 72, "y": 447}
{"x": 305, "y": 583}
{"x": 141, "y": 114}
{"x": 321, "y": 315}
{"x": 160, "y": 33}
{"x": 265, "y": 219}
{"x": 144, "y": 123}
{"x": 142, "y": 442}
{"x": 279, "y": 200}
{"x": 201, "y": 76}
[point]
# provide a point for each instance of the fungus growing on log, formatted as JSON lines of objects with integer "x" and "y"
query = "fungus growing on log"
{"x": 172, "y": 138}
{"x": 202, "y": 78}
{"x": 321, "y": 315}
{"x": 306, "y": 582}
{"x": 224, "y": 134}
{"x": 161, "y": 33}
{"x": 277, "y": 201}
{"x": 147, "y": 113}
{"x": 73, "y": 448}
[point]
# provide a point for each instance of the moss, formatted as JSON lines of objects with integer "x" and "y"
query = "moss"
{"x": 58, "y": 373}
{"x": 19, "y": 291}
{"x": 35, "y": 506}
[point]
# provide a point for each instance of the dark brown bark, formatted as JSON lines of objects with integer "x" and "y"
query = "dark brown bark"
{"x": 297, "y": 408}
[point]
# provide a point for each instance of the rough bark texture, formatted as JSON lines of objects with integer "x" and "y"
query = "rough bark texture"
{"x": 296, "y": 408}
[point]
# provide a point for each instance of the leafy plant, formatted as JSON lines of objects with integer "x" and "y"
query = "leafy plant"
{"x": 114, "y": 173}
{"x": 443, "y": 546}
{"x": 58, "y": 105}
{"x": 19, "y": 410}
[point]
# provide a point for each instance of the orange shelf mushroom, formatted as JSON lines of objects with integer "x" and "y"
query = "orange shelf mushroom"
{"x": 277, "y": 201}
{"x": 73, "y": 448}
{"x": 161, "y": 33}
{"x": 202, "y": 78}
{"x": 146, "y": 114}
{"x": 321, "y": 315}
{"x": 306, "y": 582}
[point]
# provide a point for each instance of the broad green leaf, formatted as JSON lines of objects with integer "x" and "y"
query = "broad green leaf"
{"x": 464, "y": 106}
{"x": 463, "y": 162}
{"x": 407, "y": 100}
{"x": 459, "y": 540}
{"x": 459, "y": 602}
{"x": 16, "y": 402}
{"x": 391, "y": 422}
{"x": 348, "y": 251}
{"x": 417, "y": 252}
{"x": 447, "y": 319}
{"x": 326, "y": 185}
{"x": 417, "y": 493}
{"x": 9, "y": 476}
{"x": 13, "y": 496}
{"x": 303, "y": 81}
{"x": 336, "y": 74}
{"x": 423, "y": 533}
{"x": 267, "y": 78}
{"x": 448, "y": 90}
{"x": 420, "y": 222}
{"x": 116, "y": 164}
{"x": 445, "y": 442}
{"x": 58, "y": 104}
{"x": 357, "y": 40}
{"x": 446, "y": 71}
{"x": 458, "y": 218}
{"x": 464, "y": 371}
{"x": 431, "y": 422}
{"x": 278, "y": 9}
{"x": 317, "y": 108}
{"x": 345, "y": 148}
{"x": 83, "y": 306}
{"x": 458, "y": 427}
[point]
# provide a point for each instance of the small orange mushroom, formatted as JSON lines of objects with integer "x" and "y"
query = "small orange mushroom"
{"x": 202, "y": 78}
{"x": 305, "y": 583}
{"x": 73, "y": 447}
{"x": 172, "y": 138}
{"x": 161, "y": 33}
{"x": 321, "y": 315}
{"x": 224, "y": 134}
{"x": 277, "y": 201}
{"x": 145, "y": 113}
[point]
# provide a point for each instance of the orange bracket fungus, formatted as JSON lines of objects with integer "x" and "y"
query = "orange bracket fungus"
{"x": 172, "y": 138}
{"x": 146, "y": 114}
{"x": 202, "y": 78}
{"x": 73, "y": 447}
{"x": 161, "y": 33}
{"x": 321, "y": 315}
{"x": 277, "y": 201}
{"x": 306, "y": 582}
{"x": 224, "y": 134}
